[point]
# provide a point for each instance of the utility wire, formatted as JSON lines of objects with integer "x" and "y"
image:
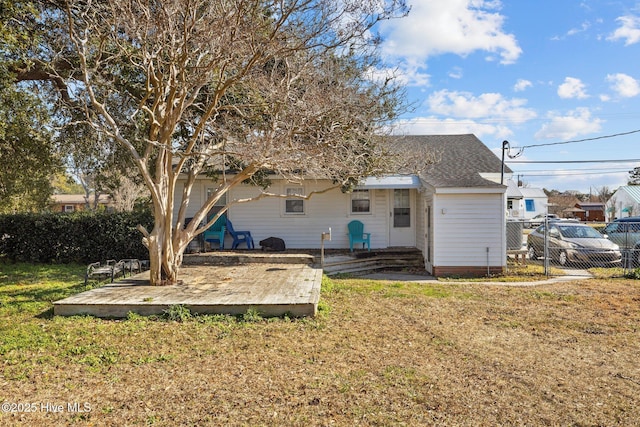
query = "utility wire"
{"x": 582, "y": 140}
{"x": 566, "y": 173}
{"x": 593, "y": 169}
{"x": 573, "y": 161}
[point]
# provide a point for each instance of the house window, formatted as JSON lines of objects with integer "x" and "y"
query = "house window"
{"x": 509, "y": 204}
{"x": 68, "y": 208}
{"x": 360, "y": 201}
{"x": 222, "y": 202}
{"x": 294, "y": 206}
{"x": 217, "y": 207}
{"x": 529, "y": 205}
{"x": 401, "y": 209}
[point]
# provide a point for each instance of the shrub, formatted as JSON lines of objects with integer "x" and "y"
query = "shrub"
{"x": 81, "y": 237}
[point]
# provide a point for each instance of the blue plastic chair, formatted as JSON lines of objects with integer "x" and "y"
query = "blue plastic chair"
{"x": 215, "y": 233}
{"x": 239, "y": 237}
{"x": 357, "y": 235}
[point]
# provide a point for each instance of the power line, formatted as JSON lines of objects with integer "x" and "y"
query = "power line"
{"x": 573, "y": 161}
{"x": 590, "y": 171}
{"x": 582, "y": 140}
{"x": 567, "y": 173}
{"x": 512, "y": 119}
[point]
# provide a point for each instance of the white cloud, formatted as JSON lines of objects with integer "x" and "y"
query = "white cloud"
{"x": 624, "y": 85}
{"x": 489, "y": 114}
{"x": 406, "y": 77}
{"x": 490, "y": 106}
{"x": 576, "y": 122}
{"x": 437, "y": 126}
{"x": 584, "y": 27}
{"x": 461, "y": 27}
{"x": 572, "y": 88}
{"x": 456, "y": 73}
{"x": 629, "y": 30}
{"x": 414, "y": 76}
{"x": 521, "y": 85}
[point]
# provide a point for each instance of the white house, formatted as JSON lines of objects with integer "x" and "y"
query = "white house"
{"x": 624, "y": 202}
{"x": 454, "y": 212}
{"x": 534, "y": 202}
{"x": 514, "y": 200}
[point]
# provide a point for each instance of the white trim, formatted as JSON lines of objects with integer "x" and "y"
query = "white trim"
{"x": 470, "y": 190}
{"x": 402, "y": 236}
{"x": 371, "y": 204}
{"x": 390, "y": 182}
{"x": 300, "y": 190}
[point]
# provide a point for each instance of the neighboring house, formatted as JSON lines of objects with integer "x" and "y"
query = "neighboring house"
{"x": 624, "y": 202}
{"x": 589, "y": 211}
{"x": 534, "y": 202}
{"x": 514, "y": 201}
{"x": 76, "y": 202}
{"x": 454, "y": 212}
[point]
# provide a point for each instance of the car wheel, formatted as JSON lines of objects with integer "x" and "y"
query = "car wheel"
{"x": 532, "y": 253}
{"x": 562, "y": 258}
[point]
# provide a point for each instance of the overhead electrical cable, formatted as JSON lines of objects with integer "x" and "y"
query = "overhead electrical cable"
{"x": 573, "y": 161}
{"x": 567, "y": 173}
{"x": 582, "y": 140}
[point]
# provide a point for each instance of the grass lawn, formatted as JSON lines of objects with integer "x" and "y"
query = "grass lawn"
{"x": 379, "y": 353}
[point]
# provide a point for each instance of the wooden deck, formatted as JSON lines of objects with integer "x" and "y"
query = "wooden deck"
{"x": 272, "y": 289}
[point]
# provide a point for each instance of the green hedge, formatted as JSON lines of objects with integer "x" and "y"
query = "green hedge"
{"x": 78, "y": 237}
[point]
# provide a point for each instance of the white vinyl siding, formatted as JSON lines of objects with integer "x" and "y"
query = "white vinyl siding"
{"x": 266, "y": 218}
{"x": 465, "y": 225}
{"x": 330, "y": 209}
{"x": 534, "y": 202}
{"x": 471, "y": 222}
{"x": 421, "y": 222}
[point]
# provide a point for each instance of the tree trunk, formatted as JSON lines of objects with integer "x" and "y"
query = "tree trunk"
{"x": 164, "y": 260}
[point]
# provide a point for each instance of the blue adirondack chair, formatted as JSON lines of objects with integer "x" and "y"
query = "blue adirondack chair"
{"x": 215, "y": 233}
{"x": 357, "y": 235}
{"x": 239, "y": 236}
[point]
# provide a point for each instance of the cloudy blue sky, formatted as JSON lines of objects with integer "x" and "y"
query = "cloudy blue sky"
{"x": 538, "y": 74}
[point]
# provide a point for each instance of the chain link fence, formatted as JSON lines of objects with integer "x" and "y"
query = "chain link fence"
{"x": 569, "y": 245}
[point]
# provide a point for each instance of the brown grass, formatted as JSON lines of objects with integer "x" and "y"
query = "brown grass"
{"x": 380, "y": 353}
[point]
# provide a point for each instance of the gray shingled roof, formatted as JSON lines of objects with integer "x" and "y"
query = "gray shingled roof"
{"x": 461, "y": 159}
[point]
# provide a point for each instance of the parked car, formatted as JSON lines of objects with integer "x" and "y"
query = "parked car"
{"x": 571, "y": 242}
{"x": 539, "y": 220}
{"x": 625, "y": 232}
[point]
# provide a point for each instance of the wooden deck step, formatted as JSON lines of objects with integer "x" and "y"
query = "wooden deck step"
{"x": 247, "y": 257}
{"x": 362, "y": 263}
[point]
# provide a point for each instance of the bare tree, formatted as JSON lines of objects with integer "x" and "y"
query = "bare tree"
{"x": 124, "y": 190}
{"x": 611, "y": 208}
{"x": 234, "y": 89}
{"x": 603, "y": 194}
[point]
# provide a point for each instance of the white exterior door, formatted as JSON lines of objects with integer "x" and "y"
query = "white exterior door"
{"x": 402, "y": 221}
